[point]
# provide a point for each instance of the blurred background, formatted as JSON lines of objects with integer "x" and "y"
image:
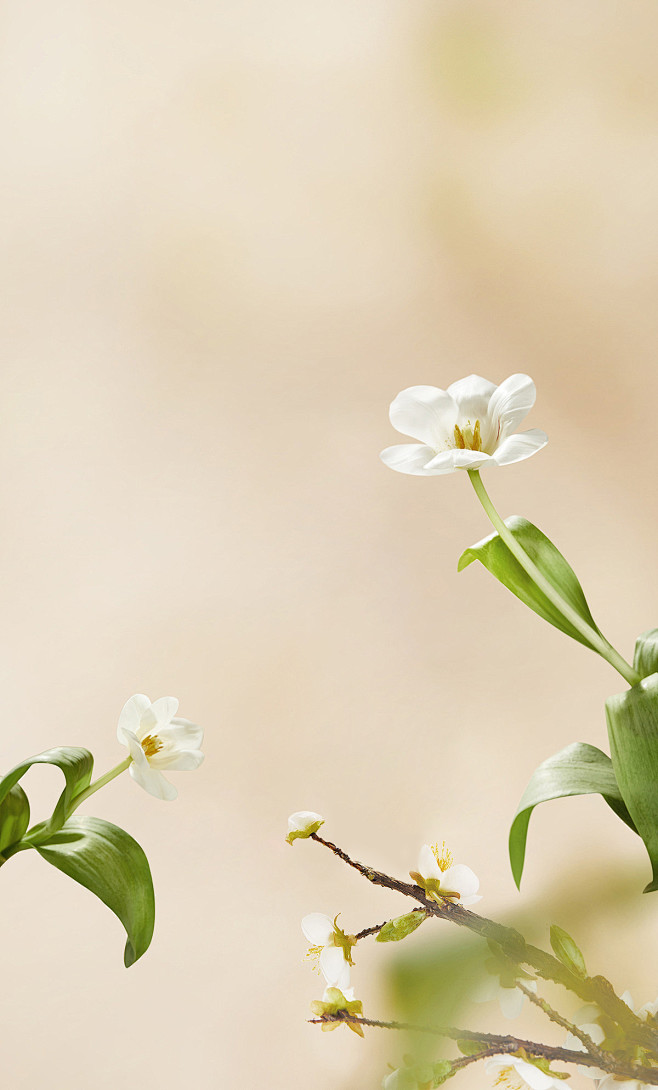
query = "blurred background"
{"x": 232, "y": 232}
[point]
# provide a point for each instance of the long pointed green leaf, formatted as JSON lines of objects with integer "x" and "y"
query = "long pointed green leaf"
{"x": 633, "y": 732}
{"x": 76, "y": 764}
{"x": 14, "y": 816}
{"x": 107, "y": 861}
{"x": 493, "y": 553}
{"x": 580, "y": 769}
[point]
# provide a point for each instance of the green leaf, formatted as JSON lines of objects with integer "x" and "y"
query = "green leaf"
{"x": 400, "y": 927}
{"x": 14, "y": 816}
{"x": 633, "y": 732}
{"x": 107, "y": 861}
{"x": 566, "y": 950}
{"x": 76, "y": 764}
{"x": 579, "y": 769}
{"x": 496, "y": 557}
{"x": 645, "y": 659}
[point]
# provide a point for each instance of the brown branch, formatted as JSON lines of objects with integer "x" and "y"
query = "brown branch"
{"x": 590, "y": 989}
{"x": 370, "y": 931}
{"x": 504, "y": 1044}
{"x": 570, "y": 1027}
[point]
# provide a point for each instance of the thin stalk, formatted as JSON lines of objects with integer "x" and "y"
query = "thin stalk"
{"x": 593, "y": 637}
{"x": 97, "y": 784}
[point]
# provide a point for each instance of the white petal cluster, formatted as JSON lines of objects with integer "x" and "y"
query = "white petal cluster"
{"x": 325, "y": 938}
{"x": 586, "y": 1018}
{"x": 507, "y": 1067}
{"x": 156, "y": 741}
{"x": 303, "y": 824}
{"x": 456, "y": 881}
{"x": 467, "y": 426}
{"x": 511, "y": 1000}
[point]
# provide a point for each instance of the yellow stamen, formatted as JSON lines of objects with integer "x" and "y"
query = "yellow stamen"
{"x": 477, "y": 441}
{"x": 443, "y": 856}
{"x": 459, "y": 438}
{"x": 313, "y": 954}
{"x": 151, "y": 744}
{"x": 468, "y": 438}
{"x": 509, "y": 1078}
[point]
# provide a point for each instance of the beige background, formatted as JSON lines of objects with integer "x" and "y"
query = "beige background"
{"x": 232, "y": 231}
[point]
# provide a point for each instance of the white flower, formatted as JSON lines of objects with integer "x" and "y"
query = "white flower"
{"x": 467, "y": 426}
{"x": 511, "y": 1000}
{"x": 303, "y": 824}
{"x": 331, "y": 946}
{"x": 157, "y": 741}
{"x": 588, "y": 1018}
{"x": 515, "y": 1074}
{"x": 441, "y": 880}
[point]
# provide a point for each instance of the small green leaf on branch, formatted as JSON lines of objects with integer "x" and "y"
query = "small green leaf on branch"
{"x": 566, "y": 950}
{"x": 399, "y": 928}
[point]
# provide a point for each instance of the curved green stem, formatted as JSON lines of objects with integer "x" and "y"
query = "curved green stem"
{"x": 97, "y": 784}
{"x": 593, "y": 637}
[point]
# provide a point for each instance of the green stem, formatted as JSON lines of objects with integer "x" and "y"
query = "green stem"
{"x": 593, "y": 637}
{"x": 97, "y": 784}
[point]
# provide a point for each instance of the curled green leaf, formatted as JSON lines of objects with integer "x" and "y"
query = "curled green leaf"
{"x": 109, "y": 863}
{"x": 579, "y": 769}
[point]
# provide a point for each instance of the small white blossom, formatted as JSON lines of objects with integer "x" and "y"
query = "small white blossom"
{"x": 511, "y": 1000}
{"x": 303, "y": 824}
{"x": 587, "y": 1019}
{"x": 332, "y": 948}
{"x": 441, "y": 879}
{"x": 157, "y": 741}
{"x": 467, "y": 426}
{"x": 515, "y": 1074}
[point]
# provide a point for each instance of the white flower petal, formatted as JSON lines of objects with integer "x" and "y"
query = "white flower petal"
{"x": 127, "y": 738}
{"x": 427, "y": 864}
{"x": 472, "y": 395}
{"x": 182, "y": 734}
{"x": 179, "y": 760}
{"x": 131, "y": 713}
{"x": 164, "y": 710}
{"x": 512, "y": 401}
{"x": 334, "y": 967}
{"x": 424, "y": 413}
{"x": 517, "y": 447}
{"x": 448, "y": 460}
{"x": 318, "y": 928}
{"x": 462, "y": 879}
{"x": 153, "y": 781}
{"x": 511, "y": 1002}
{"x": 487, "y": 990}
{"x": 408, "y": 458}
{"x": 535, "y": 1078}
{"x": 302, "y": 820}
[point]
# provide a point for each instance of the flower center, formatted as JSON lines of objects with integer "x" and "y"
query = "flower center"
{"x": 151, "y": 744}
{"x": 468, "y": 437}
{"x": 443, "y": 856}
{"x": 509, "y": 1078}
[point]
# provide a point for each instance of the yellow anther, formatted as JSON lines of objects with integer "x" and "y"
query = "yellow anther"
{"x": 313, "y": 954}
{"x": 459, "y": 438}
{"x": 477, "y": 441}
{"x": 443, "y": 855}
{"x": 151, "y": 744}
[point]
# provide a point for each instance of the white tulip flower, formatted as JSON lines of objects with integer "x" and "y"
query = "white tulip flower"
{"x": 516, "y": 1074}
{"x": 467, "y": 426}
{"x": 442, "y": 880}
{"x": 303, "y": 824}
{"x": 158, "y": 741}
{"x": 331, "y": 947}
